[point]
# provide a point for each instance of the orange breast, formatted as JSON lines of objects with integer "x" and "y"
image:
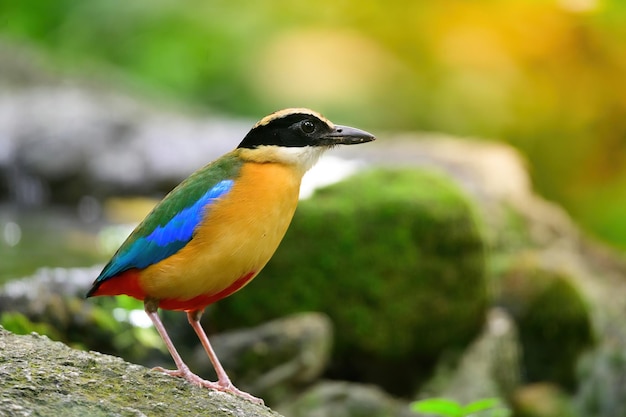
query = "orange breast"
{"x": 235, "y": 240}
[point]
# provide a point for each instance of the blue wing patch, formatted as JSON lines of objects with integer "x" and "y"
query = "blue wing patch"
{"x": 180, "y": 228}
{"x": 165, "y": 240}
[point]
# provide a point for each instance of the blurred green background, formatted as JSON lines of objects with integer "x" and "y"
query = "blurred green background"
{"x": 548, "y": 77}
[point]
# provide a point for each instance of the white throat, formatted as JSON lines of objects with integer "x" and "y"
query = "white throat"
{"x": 303, "y": 157}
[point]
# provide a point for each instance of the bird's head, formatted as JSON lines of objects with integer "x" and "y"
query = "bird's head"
{"x": 297, "y": 136}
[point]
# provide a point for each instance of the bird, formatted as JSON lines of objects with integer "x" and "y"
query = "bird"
{"x": 215, "y": 231}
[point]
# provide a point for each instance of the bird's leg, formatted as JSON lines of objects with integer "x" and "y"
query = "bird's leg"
{"x": 183, "y": 371}
{"x": 223, "y": 381}
{"x": 222, "y": 378}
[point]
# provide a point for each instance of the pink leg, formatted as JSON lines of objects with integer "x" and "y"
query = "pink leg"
{"x": 223, "y": 381}
{"x": 182, "y": 370}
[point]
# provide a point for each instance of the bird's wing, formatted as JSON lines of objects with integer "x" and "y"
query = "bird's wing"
{"x": 172, "y": 223}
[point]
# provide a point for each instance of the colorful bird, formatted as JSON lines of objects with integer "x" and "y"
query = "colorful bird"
{"x": 214, "y": 232}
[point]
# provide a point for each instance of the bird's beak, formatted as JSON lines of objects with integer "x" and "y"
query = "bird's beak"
{"x": 346, "y": 135}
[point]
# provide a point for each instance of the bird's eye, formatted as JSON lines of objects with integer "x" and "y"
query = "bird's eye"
{"x": 307, "y": 127}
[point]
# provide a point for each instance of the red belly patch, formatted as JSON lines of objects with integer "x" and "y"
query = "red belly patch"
{"x": 201, "y": 301}
{"x": 127, "y": 283}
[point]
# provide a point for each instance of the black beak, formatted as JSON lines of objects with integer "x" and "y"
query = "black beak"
{"x": 346, "y": 135}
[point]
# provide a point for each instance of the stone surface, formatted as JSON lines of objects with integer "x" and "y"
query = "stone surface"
{"x": 62, "y": 142}
{"x": 488, "y": 368}
{"x": 36, "y": 289}
{"x": 553, "y": 319}
{"x": 39, "y": 377}
{"x": 52, "y": 301}
{"x": 344, "y": 399}
{"x": 520, "y": 224}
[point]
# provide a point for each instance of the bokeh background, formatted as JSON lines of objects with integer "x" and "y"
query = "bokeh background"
{"x": 545, "y": 76}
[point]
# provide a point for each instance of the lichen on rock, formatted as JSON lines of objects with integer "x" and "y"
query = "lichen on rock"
{"x": 45, "y": 378}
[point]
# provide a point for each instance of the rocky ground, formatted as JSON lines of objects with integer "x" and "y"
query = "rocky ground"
{"x": 45, "y": 378}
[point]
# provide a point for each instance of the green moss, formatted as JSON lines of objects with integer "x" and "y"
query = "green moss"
{"x": 394, "y": 257}
{"x": 44, "y": 378}
{"x": 553, "y": 320}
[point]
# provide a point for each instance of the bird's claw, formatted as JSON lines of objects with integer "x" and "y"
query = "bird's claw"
{"x": 224, "y": 386}
{"x": 229, "y": 387}
{"x": 187, "y": 375}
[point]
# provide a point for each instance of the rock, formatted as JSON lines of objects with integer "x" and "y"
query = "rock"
{"x": 488, "y": 368}
{"x": 489, "y": 171}
{"x": 343, "y": 399}
{"x": 275, "y": 359}
{"x": 602, "y": 391}
{"x": 45, "y": 378}
{"x": 52, "y": 297}
{"x": 376, "y": 252}
{"x": 493, "y": 174}
{"x": 52, "y": 301}
{"x": 68, "y": 141}
{"x": 520, "y": 224}
{"x": 553, "y": 320}
{"x": 36, "y": 289}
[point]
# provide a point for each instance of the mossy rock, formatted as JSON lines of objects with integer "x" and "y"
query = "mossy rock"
{"x": 553, "y": 320}
{"x": 394, "y": 257}
{"x": 45, "y": 378}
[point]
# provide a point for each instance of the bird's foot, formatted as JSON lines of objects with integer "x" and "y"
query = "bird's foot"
{"x": 227, "y": 386}
{"x": 224, "y": 386}
{"x": 184, "y": 373}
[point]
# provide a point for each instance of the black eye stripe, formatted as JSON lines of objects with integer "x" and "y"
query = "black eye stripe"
{"x": 290, "y": 130}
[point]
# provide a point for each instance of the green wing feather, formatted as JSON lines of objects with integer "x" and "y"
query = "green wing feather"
{"x": 170, "y": 225}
